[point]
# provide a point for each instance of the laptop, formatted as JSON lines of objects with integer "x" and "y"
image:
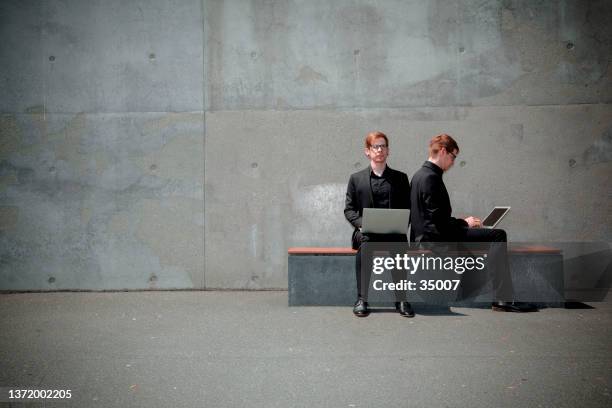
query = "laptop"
{"x": 385, "y": 221}
{"x": 495, "y": 217}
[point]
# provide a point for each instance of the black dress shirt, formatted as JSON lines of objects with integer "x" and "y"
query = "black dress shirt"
{"x": 431, "y": 209}
{"x": 381, "y": 189}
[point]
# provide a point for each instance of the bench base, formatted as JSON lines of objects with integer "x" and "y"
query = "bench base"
{"x": 328, "y": 279}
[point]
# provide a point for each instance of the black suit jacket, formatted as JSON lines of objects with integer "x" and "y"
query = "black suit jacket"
{"x": 359, "y": 194}
{"x": 430, "y": 213}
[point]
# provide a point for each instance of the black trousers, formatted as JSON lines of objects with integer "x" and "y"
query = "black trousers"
{"x": 363, "y": 280}
{"x": 497, "y": 252}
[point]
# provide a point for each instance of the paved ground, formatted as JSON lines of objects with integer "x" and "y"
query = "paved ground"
{"x": 248, "y": 349}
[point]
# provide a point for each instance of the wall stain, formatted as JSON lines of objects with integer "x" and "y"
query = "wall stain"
{"x": 9, "y": 216}
{"x": 86, "y": 215}
{"x": 10, "y": 135}
{"x": 171, "y": 119}
{"x": 36, "y": 109}
{"x": 65, "y": 34}
{"x": 69, "y": 139}
{"x": 308, "y": 75}
{"x": 600, "y": 151}
{"x": 517, "y": 132}
{"x": 8, "y": 173}
{"x": 281, "y": 103}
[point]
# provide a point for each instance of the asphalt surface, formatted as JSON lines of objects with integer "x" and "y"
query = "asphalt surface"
{"x": 249, "y": 349}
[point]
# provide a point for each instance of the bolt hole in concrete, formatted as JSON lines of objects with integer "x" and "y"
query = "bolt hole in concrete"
{"x": 151, "y": 56}
{"x": 153, "y": 278}
{"x": 254, "y": 165}
{"x": 570, "y": 45}
{"x": 463, "y": 163}
{"x": 572, "y": 163}
{"x": 153, "y": 167}
{"x": 51, "y": 169}
{"x": 357, "y": 165}
{"x": 461, "y": 50}
{"x": 51, "y": 279}
{"x": 51, "y": 58}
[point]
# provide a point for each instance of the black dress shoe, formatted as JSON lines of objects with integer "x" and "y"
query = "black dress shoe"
{"x": 404, "y": 309}
{"x": 516, "y": 307}
{"x": 361, "y": 308}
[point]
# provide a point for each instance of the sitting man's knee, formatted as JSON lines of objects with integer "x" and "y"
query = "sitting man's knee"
{"x": 500, "y": 235}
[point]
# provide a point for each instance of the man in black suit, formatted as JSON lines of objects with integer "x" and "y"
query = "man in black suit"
{"x": 432, "y": 221}
{"x": 377, "y": 186}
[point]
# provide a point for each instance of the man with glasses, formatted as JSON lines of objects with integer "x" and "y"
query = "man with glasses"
{"x": 432, "y": 221}
{"x": 376, "y": 186}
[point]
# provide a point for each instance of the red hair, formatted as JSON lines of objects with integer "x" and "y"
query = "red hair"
{"x": 442, "y": 141}
{"x": 369, "y": 140}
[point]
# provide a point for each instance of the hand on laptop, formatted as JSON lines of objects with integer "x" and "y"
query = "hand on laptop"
{"x": 473, "y": 222}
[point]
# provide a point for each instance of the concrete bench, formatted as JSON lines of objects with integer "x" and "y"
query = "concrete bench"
{"x": 320, "y": 276}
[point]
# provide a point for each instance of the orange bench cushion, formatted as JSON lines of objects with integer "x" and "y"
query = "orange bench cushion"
{"x": 531, "y": 249}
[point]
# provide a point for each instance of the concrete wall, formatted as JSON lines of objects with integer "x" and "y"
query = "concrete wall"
{"x": 188, "y": 144}
{"x": 102, "y": 144}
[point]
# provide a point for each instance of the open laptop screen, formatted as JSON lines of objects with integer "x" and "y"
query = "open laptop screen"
{"x": 495, "y": 216}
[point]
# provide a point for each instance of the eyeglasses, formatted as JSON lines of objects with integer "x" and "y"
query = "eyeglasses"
{"x": 453, "y": 154}
{"x": 378, "y": 147}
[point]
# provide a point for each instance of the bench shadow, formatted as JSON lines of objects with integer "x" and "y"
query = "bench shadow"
{"x": 577, "y": 305}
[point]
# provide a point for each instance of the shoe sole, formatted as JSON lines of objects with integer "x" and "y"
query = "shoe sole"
{"x": 502, "y": 309}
